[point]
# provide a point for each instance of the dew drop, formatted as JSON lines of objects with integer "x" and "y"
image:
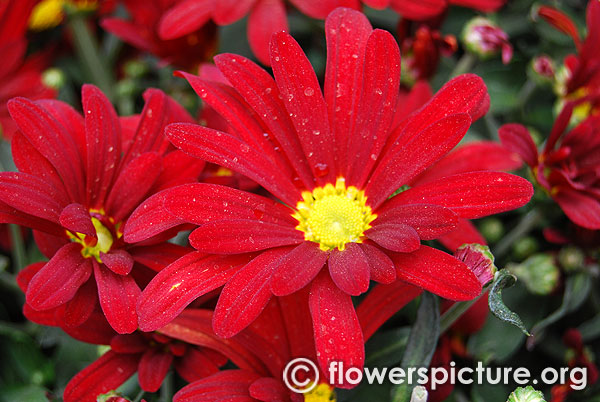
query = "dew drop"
{"x": 321, "y": 169}
{"x": 308, "y": 91}
{"x": 316, "y": 132}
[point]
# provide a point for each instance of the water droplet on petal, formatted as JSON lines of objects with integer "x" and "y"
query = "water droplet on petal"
{"x": 321, "y": 169}
{"x": 308, "y": 91}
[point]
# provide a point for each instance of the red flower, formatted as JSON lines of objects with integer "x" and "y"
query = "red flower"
{"x": 568, "y": 167}
{"x": 265, "y": 17}
{"x": 423, "y": 10}
{"x": 78, "y": 181}
{"x": 187, "y": 50}
{"x": 19, "y": 76}
{"x": 333, "y": 161}
{"x": 583, "y": 69}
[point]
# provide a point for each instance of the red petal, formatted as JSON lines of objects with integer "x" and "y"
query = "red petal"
{"x": 195, "y": 365}
{"x": 347, "y": 32}
{"x": 153, "y": 368}
{"x": 338, "y": 336}
{"x": 430, "y": 221}
{"x": 132, "y": 185}
{"x": 269, "y": 389}
{"x": 377, "y": 106}
{"x": 396, "y": 237}
{"x": 405, "y": 162}
{"x": 266, "y": 18}
{"x": 178, "y": 168}
{"x": 487, "y": 6}
{"x": 58, "y": 281}
{"x": 158, "y": 256}
{"x": 465, "y": 232}
{"x": 127, "y": 31}
{"x": 516, "y": 138}
{"x": 227, "y": 12}
{"x": 382, "y": 302}
{"x": 201, "y": 203}
{"x": 320, "y": 9}
{"x": 260, "y": 91}
{"x": 580, "y": 208}
{"x": 228, "y": 385}
{"x": 560, "y": 21}
{"x": 107, "y": 373}
{"x": 349, "y": 269}
{"x": 118, "y": 261}
{"x": 381, "y": 266}
{"x": 437, "y": 272}
{"x": 118, "y": 297}
{"x": 9, "y": 214}
{"x": 246, "y": 294}
{"x": 51, "y": 139}
{"x": 77, "y": 219}
{"x": 81, "y": 306}
{"x": 298, "y": 268}
{"x": 32, "y": 195}
{"x": 94, "y": 330}
{"x": 182, "y": 282}
{"x": 470, "y": 195}
{"x": 131, "y": 343}
{"x": 409, "y": 102}
{"x": 184, "y": 18}
{"x": 103, "y": 138}
{"x": 304, "y": 101}
{"x": 149, "y": 219}
{"x": 228, "y": 151}
{"x": 242, "y": 236}
{"x": 418, "y": 10}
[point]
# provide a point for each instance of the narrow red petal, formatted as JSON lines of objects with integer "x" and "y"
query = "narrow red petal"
{"x": 382, "y": 302}
{"x": 471, "y": 195}
{"x": 337, "y": 332}
{"x": 195, "y": 365}
{"x": 418, "y": 10}
{"x": 77, "y": 219}
{"x": 228, "y": 385}
{"x": 377, "y": 106}
{"x": 560, "y": 21}
{"x": 184, "y": 18}
{"x": 227, "y": 12}
{"x": 516, "y": 138}
{"x": 246, "y": 294}
{"x": 395, "y": 236}
{"x": 465, "y": 232}
{"x": 381, "y": 266}
{"x": 80, "y": 307}
{"x": 304, "y": 101}
{"x": 320, "y": 9}
{"x": 579, "y": 207}
{"x": 298, "y": 268}
{"x": 107, "y": 373}
{"x": 437, "y": 272}
{"x": 58, "y": 281}
{"x": 430, "y": 221}
{"x": 118, "y": 261}
{"x": 158, "y": 256}
{"x": 118, "y": 297}
{"x": 153, "y": 368}
{"x": 242, "y": 236}
{"x": 130, "y": 343}
{"x": 182, "y": 282}
{"x": 349, "y": 269}
{"x": 266, "y": 18}
{"x": 268, "y": 389}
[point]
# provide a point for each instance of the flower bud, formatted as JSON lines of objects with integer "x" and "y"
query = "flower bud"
{"x": 54, "y": 78}
{"x": 542, "y": 70}
{"x": 492, "y": 229}
{"x": 419, "y": 394}
{"x": 479, "y": 259}
{"x": 527, "y": 394}
{"x": 525, "y": 247}
{"x": 485, "y": 39}
{"x": 571, "y": 258}
{"x": 539, "y": 273}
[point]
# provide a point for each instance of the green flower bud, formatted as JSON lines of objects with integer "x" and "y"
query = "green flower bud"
{"x": 571, "y": 258}
{"x": 539, "y": 273}
{"x": 135, "y": 68}
{"x": 492, "y": 229}
{"x": 419, "y": 394}
{"x": 525, "y": 247}
{"x": 54, "y": 78}
{"x": 527, "y": 394}
{"x": 126, "y": 87}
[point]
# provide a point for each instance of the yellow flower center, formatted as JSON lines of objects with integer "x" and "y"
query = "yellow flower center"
{"x": 334, "y": 215}
{"x": 49, "y": 13}
{"x": 91, "y": 247}
{"x": 322, "y": 393}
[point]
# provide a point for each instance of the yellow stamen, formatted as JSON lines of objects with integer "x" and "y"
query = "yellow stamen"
{"x": 104, "y": 243}
{"x": 49, "y": 13}
{"x": 322, "y": 393}
{"x": 334, "y": 215}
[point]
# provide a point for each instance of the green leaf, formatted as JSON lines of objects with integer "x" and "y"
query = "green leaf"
{"x": 421, "y": 343}
{"x": 29, "y": 393}
{"x": 577, "y": 289}
{"x": 386, "y": 348}
{"x": 504, "y": 279}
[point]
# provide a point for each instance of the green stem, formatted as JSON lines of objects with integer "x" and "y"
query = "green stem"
{"x": 166, "y": 390}
{"x": 87, "y": 51}
{"x": 457, "y": 310}
{"x": 525, "y": 93}
{"x": 523, "y": 227}
{"x": 18, "y": 248}
{"x": 464, "y": 64}
{"x": 139, "y": 396}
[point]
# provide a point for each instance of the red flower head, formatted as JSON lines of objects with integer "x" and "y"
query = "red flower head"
{"x": 484, "y": 38}
{"x": 19, "y": 76}
{"x": 583, "y": 69}
{"x": 568, "y": 167}
{"x": 333, "y": 162}
{"x": 423, "y": 10}
{"x": 186, "y": 50}
{"x": 78, "y": 181}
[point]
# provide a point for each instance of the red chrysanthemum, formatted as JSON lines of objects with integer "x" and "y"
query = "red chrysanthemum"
{"x": 79, "y": 179}
{"x": 141, "y": 31}
{"x": 333, "y": 162}
{"x": 569, "y": 165}
{"x": 424, "y": 10}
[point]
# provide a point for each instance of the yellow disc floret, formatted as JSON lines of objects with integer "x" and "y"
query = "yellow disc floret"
{"x": 321, "y": 393}
{"x": 91, "y": 249}
{"x": 334, "y": 215}
{"x": 49, "y": 13}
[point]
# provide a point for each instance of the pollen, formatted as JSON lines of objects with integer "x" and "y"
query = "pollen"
{"x": 49, "y": 13}
{"x": 334, "y": 215}
{"x": 321, "y": 393}
{"x": 91, "y": 247}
